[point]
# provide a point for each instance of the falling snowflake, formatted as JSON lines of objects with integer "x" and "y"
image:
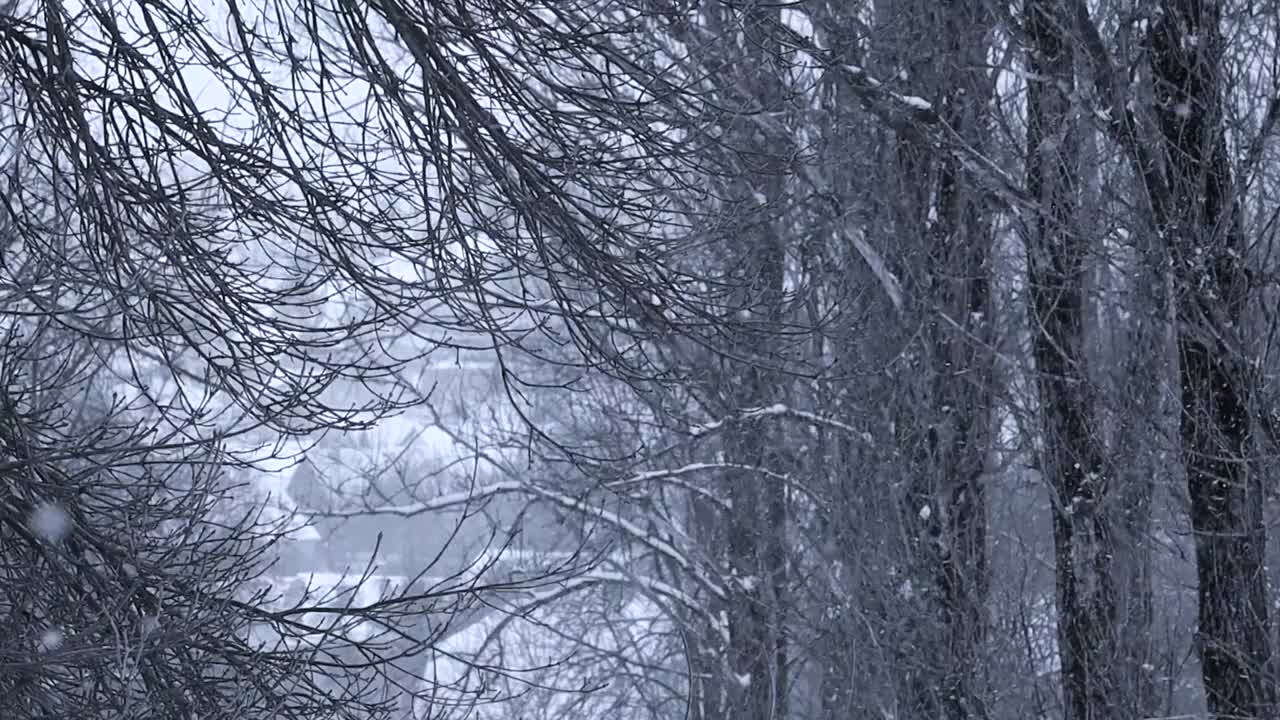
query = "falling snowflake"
{"x": 906, "y": 591}
{"x": 926, "y": 512}
{"x": 50, "y": 640}
{"x": 51, "y": 522}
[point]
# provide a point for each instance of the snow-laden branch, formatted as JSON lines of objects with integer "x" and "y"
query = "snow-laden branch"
{"x": 780, "y": 410}
{"x": 447, "y": 501}
{"x": 658, "y": 588}
{"x": 481, "y": 493}
{"x": 879, "y": 268}
{"x": 671, "y": 476}
{"x": 537, "y": 599}
{"x": 637, "y": 533}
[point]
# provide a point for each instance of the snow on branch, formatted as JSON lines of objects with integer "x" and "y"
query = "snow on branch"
{"x": 447, "y": 501}
{"x": 780, "y": 410}
{"x": 658, "y": 588}
{"x": 639, "y": 534}
{"x": 483, "y": 492}
{"x": 671, "y": 476}
{"x": 879, "y": 268}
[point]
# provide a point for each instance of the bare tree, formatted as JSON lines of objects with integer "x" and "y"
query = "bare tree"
{"x": 1074, "y": 460}
{"x": 945, "y": 385}
{"x": 1183, "y": 158}
{"x": 217, "y": 231}
{"x": 1199, "y": 220}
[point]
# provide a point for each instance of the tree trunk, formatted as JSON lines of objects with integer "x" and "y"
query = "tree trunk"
{"x": 946, "y": 397}
{"x": 1073, "y": 458}
{"x": 757, "y": 524}
{"x": 1200, "y": 222}
{"x": 757, "y": 519}
{"x": 1138, "y": 385}
{"x": 708, "y": 696}
{"x": 757, "y": 658}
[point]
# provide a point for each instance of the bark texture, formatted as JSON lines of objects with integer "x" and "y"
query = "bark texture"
{"x": 1073, "y": 456}
{"x": 1200, "y": 222}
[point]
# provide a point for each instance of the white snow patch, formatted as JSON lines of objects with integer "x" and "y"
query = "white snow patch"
{"x": 51, "y": 522}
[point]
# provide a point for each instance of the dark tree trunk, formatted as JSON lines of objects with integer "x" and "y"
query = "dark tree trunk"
{"x": 1144, "y": 419}
{"x": 1131, "y": 506}
{"x": 757, "y": 518}
{"x": 962, "y": 400}
{"x": 708, "y": 695}
{"x": 1073, "y": 459}
{"x": 757, "y": 521}
{"x": 757, "y": 654}
{"x": 1201, "y": 224}
{"x": 945, "y": 397}
{"x": 965, "y": 235}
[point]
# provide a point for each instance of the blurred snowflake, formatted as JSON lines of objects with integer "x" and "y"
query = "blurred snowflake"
{"x": 51, "y": 522}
